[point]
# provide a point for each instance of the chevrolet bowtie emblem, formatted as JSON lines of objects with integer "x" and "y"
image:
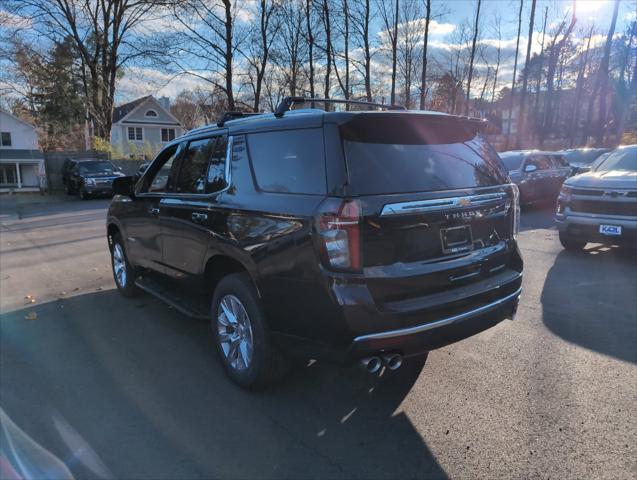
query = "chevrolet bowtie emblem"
{"x": 464, "y": 201}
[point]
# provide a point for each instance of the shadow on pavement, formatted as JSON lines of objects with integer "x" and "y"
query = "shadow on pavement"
{"x": 134, "y": 387}
{"x": 602, "y": 280}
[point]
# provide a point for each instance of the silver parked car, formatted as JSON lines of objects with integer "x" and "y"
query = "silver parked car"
{"x": 601, "y": 205}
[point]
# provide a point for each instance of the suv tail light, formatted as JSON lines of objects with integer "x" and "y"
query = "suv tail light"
{"x": 516, "y": 210}
{"x": 338, "y": 223}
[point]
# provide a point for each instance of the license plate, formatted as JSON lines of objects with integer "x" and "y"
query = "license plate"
{"x": 610, "y": 230}
{"x": 456, "y": 239}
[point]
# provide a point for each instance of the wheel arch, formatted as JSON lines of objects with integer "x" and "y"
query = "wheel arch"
{"x": 220, "y": 265}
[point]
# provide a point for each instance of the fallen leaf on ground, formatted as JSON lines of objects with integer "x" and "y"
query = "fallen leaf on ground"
{"x": 98, "y": 288}
{"x": 31, "y": 316}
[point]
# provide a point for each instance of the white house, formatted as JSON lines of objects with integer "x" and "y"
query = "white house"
{"x": 21, "y": 163}
{"x": 145, "y": 120}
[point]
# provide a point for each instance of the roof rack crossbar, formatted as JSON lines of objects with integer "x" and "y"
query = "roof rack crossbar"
{"x": 233, "y": 115}
{"x": 287, "y": 102}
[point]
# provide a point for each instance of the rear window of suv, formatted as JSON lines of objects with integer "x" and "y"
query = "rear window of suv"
{"x": 289, "y": 161}
{"x": 409, "y": 153}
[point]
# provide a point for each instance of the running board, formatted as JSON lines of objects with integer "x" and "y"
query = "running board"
{"x": 186, "y": 304}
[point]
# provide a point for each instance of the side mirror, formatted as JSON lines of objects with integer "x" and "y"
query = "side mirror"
{"x": 124, "y": 186}
{"x": 530, "y": 168}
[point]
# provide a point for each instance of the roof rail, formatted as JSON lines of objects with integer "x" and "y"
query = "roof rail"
{"x": 287, "y": 102}
{"x": 233, "y": 115}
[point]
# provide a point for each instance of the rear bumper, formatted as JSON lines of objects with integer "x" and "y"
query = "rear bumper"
{"x": 586, "y": 227}
{"x": 429, "y": 336}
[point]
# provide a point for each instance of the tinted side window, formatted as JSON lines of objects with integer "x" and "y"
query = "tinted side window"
{"x": 203, "y": 167}
{"x": 290, "y": 161}
{"x": 157, "y": 181}
{"x": 542, "y": 162}
{"x": 560, "y": 161}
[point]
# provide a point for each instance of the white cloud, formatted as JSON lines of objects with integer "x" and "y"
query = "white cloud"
{"x": 138, "y": 81}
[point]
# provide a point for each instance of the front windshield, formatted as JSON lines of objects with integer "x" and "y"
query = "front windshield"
{"x": 97, "y": 167}
{"x": 620, "y": 159}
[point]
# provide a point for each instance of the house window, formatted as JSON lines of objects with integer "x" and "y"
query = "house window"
{"x": 151, "y": 113}
{"x": 8, "y": 176}
{"x": 167, "y": 134}
{"x": 6, "y": 139}
{"x": 135, "y": 133}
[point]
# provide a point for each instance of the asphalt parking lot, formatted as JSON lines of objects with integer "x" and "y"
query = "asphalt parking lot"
{"x": 120, "y": 388}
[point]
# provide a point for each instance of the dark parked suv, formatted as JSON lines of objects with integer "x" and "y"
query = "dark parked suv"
{"x": 349, "y": 236}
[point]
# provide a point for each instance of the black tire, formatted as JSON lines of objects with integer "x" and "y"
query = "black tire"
{"x": 68, "y": 189}
{"x": 126, "y": 284}
{"x": 571, "y": 243}
{"x": 267, "y": 364}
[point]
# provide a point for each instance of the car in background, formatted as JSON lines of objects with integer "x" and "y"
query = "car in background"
{"x": 601, "y": 205}
{"x": 92, "y": 177}
{"x": 539, "y": 175}
{"x": 582, "y": 159}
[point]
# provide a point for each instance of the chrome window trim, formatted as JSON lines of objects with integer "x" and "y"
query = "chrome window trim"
{"x": 420, "y": 206}
{"x": 438, "y": 323}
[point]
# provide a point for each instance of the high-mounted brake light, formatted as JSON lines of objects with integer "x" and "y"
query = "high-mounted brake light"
{"x": 338, "y": 223}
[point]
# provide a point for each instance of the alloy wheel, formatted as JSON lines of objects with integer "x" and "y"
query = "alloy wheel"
{"x": 119, "y": 265}
{"x": 235, "y": 333}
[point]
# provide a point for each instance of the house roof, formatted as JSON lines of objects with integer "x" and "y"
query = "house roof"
{"x": 123, "y": 110}
{"x": 16, "y": 118}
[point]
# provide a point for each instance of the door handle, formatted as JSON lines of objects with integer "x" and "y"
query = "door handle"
{"x": 153, "y": 211}
{"x": 199, "y": 217}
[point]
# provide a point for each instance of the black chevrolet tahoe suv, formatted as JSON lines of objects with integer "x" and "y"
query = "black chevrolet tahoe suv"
{"x": 355, "y": 236}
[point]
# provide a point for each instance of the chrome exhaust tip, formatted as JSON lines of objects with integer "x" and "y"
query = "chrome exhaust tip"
{"x": 393, "y": 361}
{"x": 371, "y": 364}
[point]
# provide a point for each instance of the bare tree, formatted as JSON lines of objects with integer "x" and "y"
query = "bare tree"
{"x": 423, "y": 75}
{"x": 361, "y": 19}
{"x": 515, "y": 71}
{"x": 497, "y": 26}
{"x": 258, "y": 51}
{"x": 103, "y": 32}
{"x": 560, "y": 38}
{"x": 579, "y": 84}
{"x": 407, "y": 55}
{"x": 208, "y": 37}
{"x": 473, "y": 54}
{"x": 389, "y": 13}
{"x": 291, "y": 49}
{"x": 525, "y": 74}
{"x": 344, "y": 58}
{"x": 310, "y": 38}
{"x": 538, "y": 80}
{"x": 603, "y": 77}
{"x": 327, "y": 24}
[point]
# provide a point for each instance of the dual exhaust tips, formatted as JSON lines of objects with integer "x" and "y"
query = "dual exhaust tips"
{"x": 392, "y": 361}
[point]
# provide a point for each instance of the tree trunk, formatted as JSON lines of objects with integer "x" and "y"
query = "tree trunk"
{"x": 228, "y": 54}
{"x": 473, "y": 54}
{"x": 328, "y": 49}
{"x": 603, "y": 74}
{"x": 578, "y": 90}
{"x": 393, "y": 56}
{"x": 368, "y": 56}
{"x": 423, "y": 76}
{"x": 310, "y": 36}
{"x": 539, "y": 71}
{"x": 525, "y": 77}
{"x": 515, "y": 72}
